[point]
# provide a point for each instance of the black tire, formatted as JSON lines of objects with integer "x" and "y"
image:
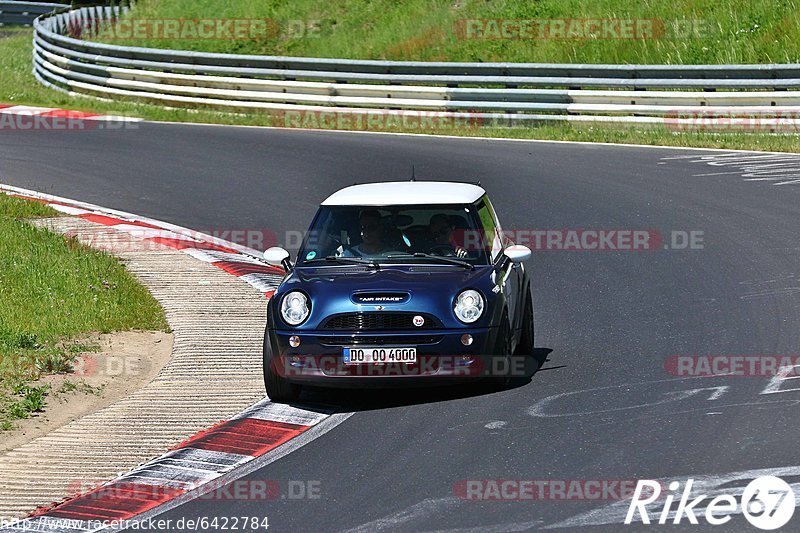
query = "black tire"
{"x": 502, "y": 350}
{"x": 278, "y": 389}
{"x": 525, "y": 346}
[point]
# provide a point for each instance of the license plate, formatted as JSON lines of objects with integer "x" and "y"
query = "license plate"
{"x": 366, "y": 355}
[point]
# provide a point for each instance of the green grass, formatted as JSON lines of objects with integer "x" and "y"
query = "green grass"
{"x": 18, "y": 86}
{"x": 695, "y": 31}
{"x": 54, "y": 290}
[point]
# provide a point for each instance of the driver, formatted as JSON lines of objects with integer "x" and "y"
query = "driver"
{"x": 444, "y": 242}
{"x": 372, "y": 242}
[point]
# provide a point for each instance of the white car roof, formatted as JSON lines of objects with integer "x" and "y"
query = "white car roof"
{"x": 406, "y": 193}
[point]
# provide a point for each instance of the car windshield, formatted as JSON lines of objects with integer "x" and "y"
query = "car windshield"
{"x": 395, "y": 234}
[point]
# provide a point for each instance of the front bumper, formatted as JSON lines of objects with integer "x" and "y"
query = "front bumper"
{"x": 441, "y": 357}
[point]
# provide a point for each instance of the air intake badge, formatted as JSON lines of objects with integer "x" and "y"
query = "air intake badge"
{"x": 380, "y": 298}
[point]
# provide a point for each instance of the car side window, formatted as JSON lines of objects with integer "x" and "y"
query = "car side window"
{"x": 493, "y": 236}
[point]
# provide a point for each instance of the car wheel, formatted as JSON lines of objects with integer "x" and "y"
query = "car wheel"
{"x": 525, "y": 346}
{"x": 278, "y": 389}
{"x": 502, "y": 352}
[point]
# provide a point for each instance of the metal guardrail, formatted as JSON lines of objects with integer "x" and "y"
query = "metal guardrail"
{"x": 509, "y": 92}
{"x": 24, "y": 13}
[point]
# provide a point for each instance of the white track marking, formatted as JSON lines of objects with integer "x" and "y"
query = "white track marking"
{"x": 213, "y": 256}
{"x": 141, "y": 232}
{"x": 784, "y": 374}
{"x": 265, "y": 410}
{"x": 418, "y": 511}
{"x": 476, "y": 138}
{"x": 414, "y": 517}
{"x": 74, "y": 115}
{"x": 250, "y": 466}
{"x": 781, "y": 169}
{"x": 193, "y": 458}
{"x": 26, "y": 110}
{"x": 786, "y": 285}
{"x": 713, "y": 485}
{"x": 788, "y": 291}
{"x": 67, "y": 210}
{"x": 262, "y": 282}
{"x": 201, "y": 255}
{"x": 113, "y": 118}
{"x": 541, "y": 408}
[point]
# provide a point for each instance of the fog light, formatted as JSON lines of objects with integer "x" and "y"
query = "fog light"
{"x": 466, "y": 339}
{"x": 294, "y": 341}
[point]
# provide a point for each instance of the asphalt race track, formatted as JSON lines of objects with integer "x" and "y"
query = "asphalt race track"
{"x": 602, "y": 407}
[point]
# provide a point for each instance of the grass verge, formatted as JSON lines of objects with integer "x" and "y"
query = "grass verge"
{"x": 53, "y": 291}
{"x": 682, "y": 31}
{"x": 18, "y": 86}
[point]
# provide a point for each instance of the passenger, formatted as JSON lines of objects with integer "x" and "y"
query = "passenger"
{"x": 444, "y": 242}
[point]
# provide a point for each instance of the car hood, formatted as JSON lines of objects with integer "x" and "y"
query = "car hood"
{"x": 427, "y": 288}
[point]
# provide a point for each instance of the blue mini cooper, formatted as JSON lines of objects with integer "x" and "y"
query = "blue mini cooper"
{"x": 398, "y": 283}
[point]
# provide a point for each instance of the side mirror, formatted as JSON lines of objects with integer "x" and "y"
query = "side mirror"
{"x": 277, "y": 256}
{"x": 518, "y": 253}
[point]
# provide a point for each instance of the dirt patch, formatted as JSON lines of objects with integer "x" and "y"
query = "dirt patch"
{"x": 125, "y": 362}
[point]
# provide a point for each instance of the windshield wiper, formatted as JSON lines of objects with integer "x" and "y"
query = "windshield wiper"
{"x": 349, "y": 260}
{"x": 438, "y": 258}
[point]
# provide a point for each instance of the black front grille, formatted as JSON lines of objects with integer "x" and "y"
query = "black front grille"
{"x": 379, "y": 321}
{"x": 379, "y": 340}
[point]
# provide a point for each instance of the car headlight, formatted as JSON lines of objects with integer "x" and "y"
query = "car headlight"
{"x": 469, "y": 306}
{"x": 295, "y": 308}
